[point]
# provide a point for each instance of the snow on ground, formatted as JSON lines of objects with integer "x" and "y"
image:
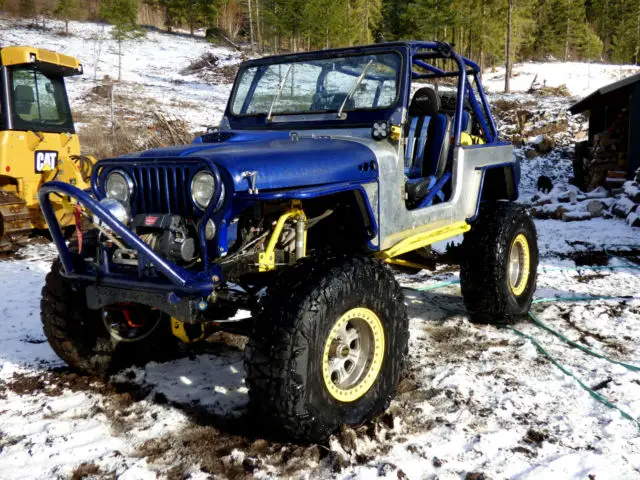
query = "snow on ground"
{"x": 580, "y": 78}
{"x": 475, "y": 398}
{"x": 151, "y": 68}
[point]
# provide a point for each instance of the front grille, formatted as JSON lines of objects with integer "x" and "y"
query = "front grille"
{"x": 162, "y": 189}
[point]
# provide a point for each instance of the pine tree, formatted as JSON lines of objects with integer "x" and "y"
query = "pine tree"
{"x": 64, "y": 9}
{"x": 123, "y": 15}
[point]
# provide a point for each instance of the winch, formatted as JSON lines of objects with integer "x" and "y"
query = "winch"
{"x": 167, "y": 234}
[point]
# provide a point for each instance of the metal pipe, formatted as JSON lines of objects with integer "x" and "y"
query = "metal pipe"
{"x": 177, "y": 275}
{"x": 300, "y": 238}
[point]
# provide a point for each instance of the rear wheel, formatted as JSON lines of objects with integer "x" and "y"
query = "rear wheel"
{"x": 99, "y": 342}
{"x": 328, "y": 348}
{"x": 499, "y": 264}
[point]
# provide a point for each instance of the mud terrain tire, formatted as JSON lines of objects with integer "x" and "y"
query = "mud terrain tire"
{"x": 490, "y": 295}
{"x": 78, "y": 334}
{"x": 286, "y": 353}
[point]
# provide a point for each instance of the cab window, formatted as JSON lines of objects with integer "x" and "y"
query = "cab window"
{"x": 39, "y": 102}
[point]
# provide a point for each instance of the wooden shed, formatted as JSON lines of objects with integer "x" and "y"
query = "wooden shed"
{"x": 612, "y": 153}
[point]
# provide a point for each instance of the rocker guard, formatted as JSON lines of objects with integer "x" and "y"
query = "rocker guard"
{"x": 176, "y": 294}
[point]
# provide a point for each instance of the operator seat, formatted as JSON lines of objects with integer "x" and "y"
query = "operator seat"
{"x": 427, "y": 147}
{"x": 24, "y": 100}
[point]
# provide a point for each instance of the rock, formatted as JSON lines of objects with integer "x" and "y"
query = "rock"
{"x": 595, "y": 208}
{"x": 573, "y": 198}
{"x": 385, "y": 468}
{"x": 348, "y": 439}
{"x": 623, "y": 207}
{"x": 544, "y": 145}
{"x": 475, "y": 476}
{"x": 531, "y": 154}
{"x": 251, "y": 464}
{"x": 633, "y": 219}
{"x": 632, "y": 190}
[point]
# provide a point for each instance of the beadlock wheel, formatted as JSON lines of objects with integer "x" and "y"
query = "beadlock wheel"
{"x": 353, "y": 354}
{"x": 499, "y": 261}
{"x": 328, "y": 346}
{"x": 519, "y": 264}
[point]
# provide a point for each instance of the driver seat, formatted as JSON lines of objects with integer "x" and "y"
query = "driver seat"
{"x": 427, "y": 149}
{"x": 24, "y": 99}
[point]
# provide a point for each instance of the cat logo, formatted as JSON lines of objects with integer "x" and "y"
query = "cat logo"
{"x": 46, "y": 160}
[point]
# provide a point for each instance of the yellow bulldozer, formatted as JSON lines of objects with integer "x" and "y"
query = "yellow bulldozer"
{"x": 38, "y": 142}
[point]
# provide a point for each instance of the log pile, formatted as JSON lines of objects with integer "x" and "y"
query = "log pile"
{"x": 600, "y": 165}
{"x": 573, "y": 204}
{"x": 627, "y": 205}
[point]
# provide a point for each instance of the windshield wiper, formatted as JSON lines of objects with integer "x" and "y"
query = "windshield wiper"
{"x": 275, "y": 99}
{"x": 355, "y": 87}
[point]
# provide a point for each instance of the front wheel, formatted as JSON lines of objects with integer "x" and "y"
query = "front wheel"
{"x": 328, "y": 348}
{"x": 499, "y": 264}
{"x": 99, "y": 342}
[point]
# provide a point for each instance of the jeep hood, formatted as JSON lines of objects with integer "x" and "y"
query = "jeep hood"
{"x": 279, "y": 160}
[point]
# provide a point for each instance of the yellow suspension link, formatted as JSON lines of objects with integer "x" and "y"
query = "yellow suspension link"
{"x": 267, "y": 259}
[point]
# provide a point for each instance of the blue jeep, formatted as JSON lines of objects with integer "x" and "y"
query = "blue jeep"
{"x": 327, "y": 167}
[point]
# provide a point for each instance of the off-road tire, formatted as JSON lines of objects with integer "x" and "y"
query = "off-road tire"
{"x": 283, "y": 359}
{"x": 79, "y": 337}
{"x": 484, "y": 279}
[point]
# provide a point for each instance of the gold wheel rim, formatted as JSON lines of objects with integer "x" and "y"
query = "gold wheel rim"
{"x": 353, "y": 354}
{"x": 519, "y": 267}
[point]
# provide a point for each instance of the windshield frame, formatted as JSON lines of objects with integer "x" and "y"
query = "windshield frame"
{"x": 14, "y": 122}
{"x": 359, "y": 116}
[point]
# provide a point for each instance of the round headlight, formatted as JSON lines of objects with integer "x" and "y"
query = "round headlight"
{"x": 203, "y": 187}
{"x": 121, "y": 211}
{"x": 119, "y": 185}
{"x": 210, "y": 230}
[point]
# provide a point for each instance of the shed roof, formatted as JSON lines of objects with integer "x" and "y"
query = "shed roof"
{"x": 587, "y": 102}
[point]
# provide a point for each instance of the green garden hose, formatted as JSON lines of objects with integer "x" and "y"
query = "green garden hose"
{"x": 600, "y": 398}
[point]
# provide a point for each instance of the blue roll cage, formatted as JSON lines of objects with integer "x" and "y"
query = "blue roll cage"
{"x": 180, "y": 282}
{"x": 416, "y": 65}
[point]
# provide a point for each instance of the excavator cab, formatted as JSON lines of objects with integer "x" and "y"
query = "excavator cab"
{"x": 38, "y": 142}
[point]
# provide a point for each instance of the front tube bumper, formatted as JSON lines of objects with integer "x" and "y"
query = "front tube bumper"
{"x": 182, "y": 279}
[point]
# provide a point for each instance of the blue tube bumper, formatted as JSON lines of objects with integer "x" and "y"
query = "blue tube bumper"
{"x": 177, "y": 281}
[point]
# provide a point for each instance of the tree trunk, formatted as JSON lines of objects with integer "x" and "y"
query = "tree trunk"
{"x": 119, "y": 60}
{"x": 251, "y": 33}
{"x": 66, "y": 26}
{"x": 566, "y": 40}
{"x": 259, "y": 27}
{"x": 507, "y": 69}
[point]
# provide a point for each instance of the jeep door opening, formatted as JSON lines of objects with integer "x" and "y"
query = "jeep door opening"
{"x": 327, "y": 166}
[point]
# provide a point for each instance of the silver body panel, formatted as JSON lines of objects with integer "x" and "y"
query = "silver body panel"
{"x": 395, "y": 222}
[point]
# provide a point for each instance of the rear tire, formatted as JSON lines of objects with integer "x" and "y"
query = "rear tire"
{"x": 80, "y": 337}
{"x": 499, "y": 264}
{"x": 316, "y": 317}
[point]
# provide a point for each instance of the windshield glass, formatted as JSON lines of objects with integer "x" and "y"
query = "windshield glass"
{"x": 318, "y": 85}
{"x": 39, "y": 102}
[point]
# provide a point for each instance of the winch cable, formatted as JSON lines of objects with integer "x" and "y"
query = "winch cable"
{"x": 577, "y": 298}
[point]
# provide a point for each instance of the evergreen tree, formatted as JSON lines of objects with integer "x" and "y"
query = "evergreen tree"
{"x": 64, "y": 9}
{"x": 123, "y": 15}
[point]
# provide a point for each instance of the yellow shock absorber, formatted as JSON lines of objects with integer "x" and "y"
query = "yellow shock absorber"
{"x": 267, "y": 259}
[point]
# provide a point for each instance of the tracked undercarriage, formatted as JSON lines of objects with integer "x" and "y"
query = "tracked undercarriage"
{"x": 15, "y": 222}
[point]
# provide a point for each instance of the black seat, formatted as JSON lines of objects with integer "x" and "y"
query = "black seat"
{"x": 24, "y": 99}
{"x": 427, "y": 146}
